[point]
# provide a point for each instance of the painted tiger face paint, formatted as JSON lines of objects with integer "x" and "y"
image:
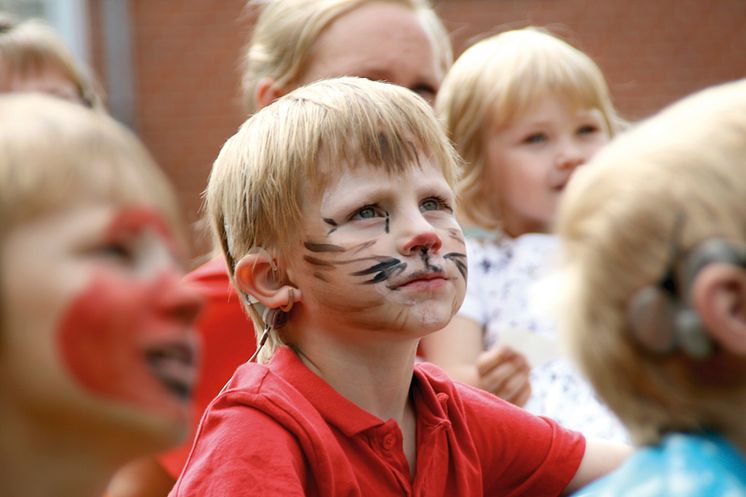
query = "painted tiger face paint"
{"x": 383, "y": 250}
{"x": 98, "y": 321}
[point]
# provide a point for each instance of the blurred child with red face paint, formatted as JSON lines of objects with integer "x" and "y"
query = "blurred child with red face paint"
{"x": 97, "y": 352}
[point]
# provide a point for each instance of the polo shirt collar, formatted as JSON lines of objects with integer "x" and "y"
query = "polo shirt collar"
{"x": 343, "y": 414}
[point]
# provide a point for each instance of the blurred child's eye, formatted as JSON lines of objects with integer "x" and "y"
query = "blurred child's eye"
{"x": 425, "y": 91}
{"x": 587, "y": 129}
{"x": 116, "y": 251}
{"x": 367, "y": 212}
{"x": 435, "y": 204}
{"x": 535, "y": 138}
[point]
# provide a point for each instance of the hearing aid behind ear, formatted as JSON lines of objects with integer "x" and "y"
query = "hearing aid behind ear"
{"x": 660, "y": 316}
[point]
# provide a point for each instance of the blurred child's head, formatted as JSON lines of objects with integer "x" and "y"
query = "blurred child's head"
{"x": 95, "y": 327}
{"x": 295, "y": 42}
{"x": 34, "y": 58}
{"x": 284, "y": 158}
{"x": 654, "y": 231}
{"x": 523, "y": 109}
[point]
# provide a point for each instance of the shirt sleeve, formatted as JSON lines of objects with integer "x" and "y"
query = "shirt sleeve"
{"x": 229, "y": 461}
{"x": 521, "y": 454}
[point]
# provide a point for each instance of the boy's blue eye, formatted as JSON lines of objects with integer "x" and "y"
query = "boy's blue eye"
{"x": 367, "y": 212}
{"x": 434, "y": 204}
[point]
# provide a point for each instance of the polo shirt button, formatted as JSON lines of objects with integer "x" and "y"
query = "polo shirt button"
{"x": 389, "y": 441}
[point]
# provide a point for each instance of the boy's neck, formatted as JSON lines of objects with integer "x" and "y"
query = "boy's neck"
{"x": 375, "y": 378}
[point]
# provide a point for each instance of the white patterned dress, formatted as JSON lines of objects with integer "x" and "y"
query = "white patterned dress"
{"x": 500, "y": 296}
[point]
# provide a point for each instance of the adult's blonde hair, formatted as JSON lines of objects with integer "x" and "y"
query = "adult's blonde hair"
{"x": 674, "y": 181}
{"x": 496, "y": 80}
{"x": 286, "y": 31}
{"x": 56, "y": 154}
{"x": 31, "y": 46}
{"x": 254, "y": 197}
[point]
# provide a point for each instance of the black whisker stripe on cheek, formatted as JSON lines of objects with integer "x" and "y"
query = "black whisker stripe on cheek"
{"x": 323, "y": 247}
{"x": 459, "y": 260}
{"x": 387, "y": 222}
{"x": 383, "y": 270}
{"x": 331, "y": 222}
{"x": 457, "y": 235}
{"x": 362, "y": 246}
{"x": 321, "y": 276}
{"x": 318, "y": 262}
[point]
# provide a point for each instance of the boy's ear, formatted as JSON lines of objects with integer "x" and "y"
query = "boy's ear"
{"x": 718, "y": 293}
{"x": 267, "y": 91}
{"x": 258, "y": 275}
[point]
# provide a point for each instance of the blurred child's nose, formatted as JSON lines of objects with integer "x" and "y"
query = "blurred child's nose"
{"x": 570, "y": 155}
{"x": 178, "y": 299}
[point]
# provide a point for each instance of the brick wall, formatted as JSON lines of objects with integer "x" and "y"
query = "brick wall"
{"x": 185, "y": 52}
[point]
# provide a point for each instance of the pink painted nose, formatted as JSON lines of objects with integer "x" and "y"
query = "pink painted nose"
{"x": 427, "y": 241}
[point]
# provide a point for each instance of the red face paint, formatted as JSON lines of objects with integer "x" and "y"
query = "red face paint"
{"x": 132, "y": 221}
{"x": 131, "y": 341}
{"x": 129, "y": 338}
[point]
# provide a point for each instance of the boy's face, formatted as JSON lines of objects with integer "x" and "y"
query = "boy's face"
{"x": 381, "y": 252}
{"x": 96, "y": 323}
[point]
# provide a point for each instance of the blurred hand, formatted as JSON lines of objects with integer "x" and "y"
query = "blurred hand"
{"x": 505, "y": 372}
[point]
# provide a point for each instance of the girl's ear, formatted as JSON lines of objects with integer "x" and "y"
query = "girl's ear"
{"x": 267, "y": 91}
{"x": 718, "y": 293}
{"x": 258, "y": 275}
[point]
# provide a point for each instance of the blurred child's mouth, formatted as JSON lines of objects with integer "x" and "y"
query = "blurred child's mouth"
{"x": 174, "y": 365}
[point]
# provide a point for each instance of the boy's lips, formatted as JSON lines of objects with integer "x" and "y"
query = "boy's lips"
{"x": 175, "y": 365}
{"x": 419, "y": 279}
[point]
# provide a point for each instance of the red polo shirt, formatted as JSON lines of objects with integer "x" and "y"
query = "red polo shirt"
{"x": 280, "y": 430}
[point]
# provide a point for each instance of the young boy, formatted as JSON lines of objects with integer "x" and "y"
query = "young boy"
{"x": 655, "y": 239}
{"x": 96, "y": 346}
{"x": 334, "y": 209}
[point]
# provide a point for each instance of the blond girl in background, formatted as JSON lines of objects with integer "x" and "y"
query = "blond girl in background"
{"x": 525, "y": 110}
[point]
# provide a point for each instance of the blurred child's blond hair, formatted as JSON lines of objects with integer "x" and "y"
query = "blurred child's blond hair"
{"x": 674, "y": 181}
{"x": 55, "y": 155}
{"x": 31, "y": 46}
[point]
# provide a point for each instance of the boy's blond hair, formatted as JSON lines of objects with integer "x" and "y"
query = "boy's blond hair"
{"x": 31, "y": 46}
{"x": 496, "y": 80}
{"x": 286, "y": 31}
{"x": 676, "y": 180}
{"x": 55, "y": 155}
{"x": 254, "y": 198}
